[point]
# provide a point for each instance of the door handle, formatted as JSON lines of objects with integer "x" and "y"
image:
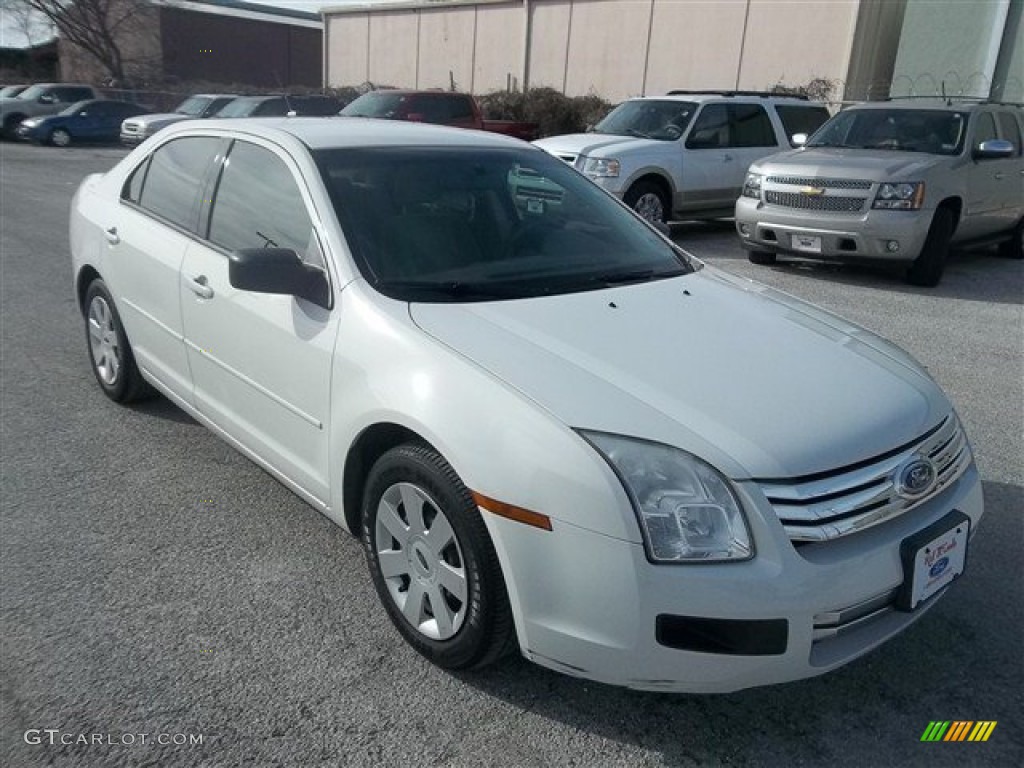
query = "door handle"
{"x": 199, "y": 287}
{"x": 999, "y": 175}
{"x": 727, "y": 158}
{"x": 112, "y": 236}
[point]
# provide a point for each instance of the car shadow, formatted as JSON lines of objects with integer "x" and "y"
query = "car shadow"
{"x": 162, "y": 408}
{"x": 952, "y": 656}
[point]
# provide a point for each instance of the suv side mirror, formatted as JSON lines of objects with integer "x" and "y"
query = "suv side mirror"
{"x": 993, "y": 148}
{"x": 280, "y": 271}
{"x": 46, "y": 98}
{"x": 798, "y": 139}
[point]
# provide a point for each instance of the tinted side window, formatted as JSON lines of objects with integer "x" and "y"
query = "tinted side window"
{"x": 258, "y": 204}
{"x": 271, "y": 108}
{"x": 1010, "y": 129}
{"x": 175, "y": 177}
{"x": 711, "y": 131}
{"x": 984, "y": 128}
{"x": 71, "y": 95}
{"x": 434, "y": 108}
{"x": 461, "y": 108}
{"x": 798, "y": 119}
{"x": 749, "y": 126}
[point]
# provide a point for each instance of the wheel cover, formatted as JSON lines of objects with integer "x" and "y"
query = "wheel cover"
{"x": 103, "y": 343}
{"x": 60, "y": 137}
{"x": 649, "y": 206}
{"x": 420, "y": 560}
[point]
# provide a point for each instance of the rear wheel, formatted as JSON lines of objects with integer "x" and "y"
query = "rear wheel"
{"x": 432, "y": 561}
{"x": 761, "y": 257}
{"x": 1014, "y": 247}
{"x": 928, "y": 266}
{"x": 109, "y": 352}
{"x": 649, "y": 200}
{"x": 60, "y": 137}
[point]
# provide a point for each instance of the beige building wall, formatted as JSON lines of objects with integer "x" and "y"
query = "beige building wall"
{"x": 500, "y": 32}
{"x": 347, "y": 47}
{"x": 794, "y": 41}
{"x": 614, "y": 48}
{"x": 394, "y": 49}
{"x": 446, "y": 48}
{"x": 695, "y": 44}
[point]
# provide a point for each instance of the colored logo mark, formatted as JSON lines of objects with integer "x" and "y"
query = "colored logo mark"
{"x": 958, "y": 730}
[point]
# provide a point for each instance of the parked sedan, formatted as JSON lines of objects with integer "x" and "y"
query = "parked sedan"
{"x": 96, "y": 120}
{"x": 552, "y": 429}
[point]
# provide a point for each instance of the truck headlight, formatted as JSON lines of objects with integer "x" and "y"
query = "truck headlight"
{"x": 686, "y": 510}
{"x": 900, "y": 196}
{"x": 752, "y": 186}
{"x": 600, "y": 167}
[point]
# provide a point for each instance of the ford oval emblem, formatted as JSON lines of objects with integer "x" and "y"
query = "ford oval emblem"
{"x": 938, "y": 568}
{"x": 915, "y": 478}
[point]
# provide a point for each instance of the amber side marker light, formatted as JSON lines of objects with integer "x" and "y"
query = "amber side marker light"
{"x": 520, "y": 515}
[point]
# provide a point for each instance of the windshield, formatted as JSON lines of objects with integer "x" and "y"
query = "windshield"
{"x": 75, "y": 108}
{"x": 192, "y": 106}
{"x": 933, "y": 131}
{"x": 239, "y": 107}
{"x": 10, "y": 91}
{"x": 648, "y": 119}
{"x": 439, "y": 224}
{"x": 377, "y": 104}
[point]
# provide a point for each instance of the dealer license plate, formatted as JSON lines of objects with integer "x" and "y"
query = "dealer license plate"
{"x": 806, "y": 243}
{"x": 933, "y": 559}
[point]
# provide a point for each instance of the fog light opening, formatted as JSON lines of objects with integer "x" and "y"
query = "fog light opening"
{"x": 892, "y": 246}
{"x": 744, "y": 229}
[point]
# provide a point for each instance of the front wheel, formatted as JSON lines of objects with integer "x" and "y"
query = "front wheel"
{"x": 109, "y": 352}
{"x": 60, "y": 138}
{"x": 928, "y": 267}
{"x": 432, "y": 561}
{"x": 649, "y": 200}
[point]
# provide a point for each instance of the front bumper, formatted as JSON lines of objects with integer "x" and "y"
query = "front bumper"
{"x": 589, "y": 605}
{"x": 29, "y": 133}
{"x": 866, "y": 235}
{"x": 132, "y": 139}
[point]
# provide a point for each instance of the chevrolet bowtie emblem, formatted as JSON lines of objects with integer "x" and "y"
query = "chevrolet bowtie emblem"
{"x": 812, "y": 191}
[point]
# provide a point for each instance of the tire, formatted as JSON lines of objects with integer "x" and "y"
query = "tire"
{"x": 761, "y": 257}
{"x": 11, "y": 123}
{"x": 649, "y": 200}
{"x": 928, "y": 266}
{"x": 110, "y": 354}
{"x": 59, "y": 137}
{"x": 1014, "y": 247}
{"x": 411, "y": 495}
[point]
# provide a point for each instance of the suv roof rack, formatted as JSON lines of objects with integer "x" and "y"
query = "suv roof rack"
{"x": 950, "y": 100}
{"x": 762, "y": 94}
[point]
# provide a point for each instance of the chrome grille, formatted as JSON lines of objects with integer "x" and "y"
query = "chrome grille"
{"x": 850, "y": 500}
{"x": 808, "y": 181}
{"x": 814, "y": 202}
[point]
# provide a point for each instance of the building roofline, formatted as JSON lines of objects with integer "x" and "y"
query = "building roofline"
{"x": 409, "y": 5}
{"x": 243, "y": 10}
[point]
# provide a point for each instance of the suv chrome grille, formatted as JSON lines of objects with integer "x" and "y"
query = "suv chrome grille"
{"x": 809, "y": 181}
{"x": 814, "y": 202}
{"x": 827, "y": 507}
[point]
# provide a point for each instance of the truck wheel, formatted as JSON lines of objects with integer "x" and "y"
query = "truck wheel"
{"x": 761, "y": 257}
{"x": 648, "y": 199}
{"x": 1014, "y": 247}
{"x": 928, "y": 266}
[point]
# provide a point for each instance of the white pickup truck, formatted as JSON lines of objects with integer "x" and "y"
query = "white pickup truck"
{"x": 685, "y": 155}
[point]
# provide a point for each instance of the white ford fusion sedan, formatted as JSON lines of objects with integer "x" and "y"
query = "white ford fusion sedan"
{"x": 553, "y": 430}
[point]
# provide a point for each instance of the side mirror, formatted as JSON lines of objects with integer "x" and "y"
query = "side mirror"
{"x": 278, "y": 270}
{"x": 46, "y": 98}
{"x": 798, "y": 139}
{"x": 993, "y": 148}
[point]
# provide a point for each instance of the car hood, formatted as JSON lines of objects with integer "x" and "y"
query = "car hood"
{"x": 758, "y": 383}
{"x": 840, "y": 163}
{"x": 595, "y": 144}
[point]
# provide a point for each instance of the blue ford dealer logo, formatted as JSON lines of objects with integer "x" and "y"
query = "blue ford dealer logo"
{"x": 915, "y": 478}
{"x": 938, "y": 568}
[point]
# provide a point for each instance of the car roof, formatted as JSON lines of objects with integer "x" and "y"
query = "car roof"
{"x": 731, "y": 97}
{"x": 340, "y": 132}
{"x": 949, "y": 104}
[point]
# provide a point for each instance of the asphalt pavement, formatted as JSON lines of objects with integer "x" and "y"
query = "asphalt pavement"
{"x": 169, "y": 603}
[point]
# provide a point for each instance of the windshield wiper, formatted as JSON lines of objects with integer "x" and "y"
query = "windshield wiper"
{"x": 637, "y": 276}
{"x": 450, "y": 288}
{"x": 638, "y": 134}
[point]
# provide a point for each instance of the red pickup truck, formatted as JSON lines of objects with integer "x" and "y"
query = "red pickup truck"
{"x": 440, "y": 107}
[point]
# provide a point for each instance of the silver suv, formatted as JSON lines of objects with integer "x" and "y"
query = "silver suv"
{"x": 896, "y": 181}
{"x": 684, "y": 155}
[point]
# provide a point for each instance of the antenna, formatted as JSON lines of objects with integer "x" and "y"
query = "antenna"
{"x": 949, "y": 102}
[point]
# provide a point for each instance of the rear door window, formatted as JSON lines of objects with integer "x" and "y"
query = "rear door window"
{"x": 172, "y": 186}
{"x": 801, "y": 119}
{"x": 1010, "y": 130}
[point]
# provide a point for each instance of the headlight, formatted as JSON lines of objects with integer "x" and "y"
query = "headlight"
{"x": 687, "y": 511}
{"x": 600, "y": 167}
{"x": 900, "y": 196}
{"x": 752, "y": 186}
